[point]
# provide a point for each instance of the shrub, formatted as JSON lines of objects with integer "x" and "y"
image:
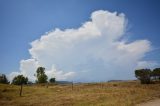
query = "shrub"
{"x": 52, "y": 80}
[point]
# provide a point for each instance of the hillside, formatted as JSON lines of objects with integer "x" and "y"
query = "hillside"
{"x": 89, "y": 94}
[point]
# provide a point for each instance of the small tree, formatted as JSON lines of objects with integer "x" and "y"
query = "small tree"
{"x": 143, "y": 75}
{"x": 20, "y": 80}
{"x": 41, "y": 76}
{"x": 52, "y": 80}
{"x": 3, "y": 79}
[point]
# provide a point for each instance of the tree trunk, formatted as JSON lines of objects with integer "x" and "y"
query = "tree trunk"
{"x": 20, "y": 94}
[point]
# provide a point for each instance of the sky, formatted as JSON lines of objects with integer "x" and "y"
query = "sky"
{"x": 79, "y": 40}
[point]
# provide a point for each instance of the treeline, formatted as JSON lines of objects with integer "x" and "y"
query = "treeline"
{"x": 147, "y": 76}
{"x": 20, "y": 79}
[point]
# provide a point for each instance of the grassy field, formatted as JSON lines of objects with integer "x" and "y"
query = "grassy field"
{"x": 91, "y": 94}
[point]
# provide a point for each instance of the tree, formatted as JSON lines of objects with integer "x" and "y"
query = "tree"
{"x": 19, "y": 80}
{"x": 3, "y": 79}
{"x": 41, "y": 76}
{"x": 143, "y": 75}
{"x": 52, "y": 80}
{"x": 156, "y": 73}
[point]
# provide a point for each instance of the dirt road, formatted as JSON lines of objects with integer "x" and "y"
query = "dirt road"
{"x": 151, "y": 103}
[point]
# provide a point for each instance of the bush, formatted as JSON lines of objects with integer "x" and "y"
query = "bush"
{"x": 52, "y": 80}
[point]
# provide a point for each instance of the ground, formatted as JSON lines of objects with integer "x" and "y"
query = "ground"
{"x": 155, "y": 102}
{"x": 128, "y": 93}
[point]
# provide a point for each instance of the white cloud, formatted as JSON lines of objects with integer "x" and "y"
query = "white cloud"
{"x": 93, "y": 52}
{"x": 111, "y": 25}
{"x": 59, "y": 74}
{"x": 28, "y": 69}
{"x": 147, "y": 64}
{"x": 12, "y": 75}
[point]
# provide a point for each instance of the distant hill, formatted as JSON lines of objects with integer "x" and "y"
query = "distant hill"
{"x": 63, "y": 82}
{"x": 116, "y": 80}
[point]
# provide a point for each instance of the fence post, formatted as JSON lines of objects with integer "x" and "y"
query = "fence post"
{"x": 47, "y": 84}
{"x": 72, "y": 85}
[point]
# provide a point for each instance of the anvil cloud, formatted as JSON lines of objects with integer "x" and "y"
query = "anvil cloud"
{"x": 96, "y": 51}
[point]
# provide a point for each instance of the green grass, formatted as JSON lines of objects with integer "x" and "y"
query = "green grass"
{"x": 92, "y": 94}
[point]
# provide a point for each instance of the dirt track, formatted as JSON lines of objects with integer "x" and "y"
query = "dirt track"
{"x": 151, "y": 103}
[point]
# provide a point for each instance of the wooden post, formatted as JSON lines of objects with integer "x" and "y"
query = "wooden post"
{"x": 72, "y": 85}
{"x": 47, "y": 84}
{"x": 20, "y": 94}
{"x": 102, "y": 84}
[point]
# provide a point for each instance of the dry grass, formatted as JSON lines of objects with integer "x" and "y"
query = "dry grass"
{"x": 92, "y": 94}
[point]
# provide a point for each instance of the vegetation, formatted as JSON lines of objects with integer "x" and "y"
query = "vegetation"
{"x": 156, "y": 73}
{"x": 19, "y": 80}
{"x": 86, "y": 94}
{"x": 52, "y": 80}
{"x": 3, "y": 79}
{"x": 128, "y": 93}
{"x": 41, "y": 76}
{"x": 145, "y": 75}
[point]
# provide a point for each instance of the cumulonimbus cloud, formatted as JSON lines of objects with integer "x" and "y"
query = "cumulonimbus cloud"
{"x": 95, "y": 51}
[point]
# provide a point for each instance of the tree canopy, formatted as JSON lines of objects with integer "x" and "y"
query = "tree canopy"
{"x": 143, "y": 75}
{"x": 19, "y": 80}
{"x": 156, "y": 73}
{"x": 41, "y": 76}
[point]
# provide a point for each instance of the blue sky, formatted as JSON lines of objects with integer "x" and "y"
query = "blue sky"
{"x": 23, "y": 21}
